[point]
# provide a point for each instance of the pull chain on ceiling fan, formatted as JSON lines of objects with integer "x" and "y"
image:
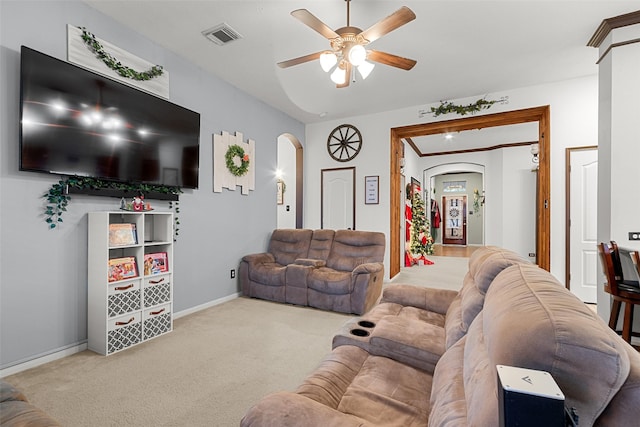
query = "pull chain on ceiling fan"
{"x": 348, "y": 45}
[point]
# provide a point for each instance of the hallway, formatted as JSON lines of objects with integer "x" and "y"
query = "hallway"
{"x": 453, "y": 250}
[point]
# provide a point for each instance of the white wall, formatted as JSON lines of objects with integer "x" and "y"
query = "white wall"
{"x": 619, "y": 150}
{"x": 574, "y": 107}
{"x": 43, "y": 273}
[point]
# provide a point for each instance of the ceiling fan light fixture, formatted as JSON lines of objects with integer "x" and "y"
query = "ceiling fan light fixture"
{"x": 365, "y": 69}
{"x": 339, "y": 76}
{"x": 348, "y": 46}
{"x": 357, "y": 55}
{"x": 328, "y": 60}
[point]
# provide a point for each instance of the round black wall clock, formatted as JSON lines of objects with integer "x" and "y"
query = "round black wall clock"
{"x": 344, "y": 143}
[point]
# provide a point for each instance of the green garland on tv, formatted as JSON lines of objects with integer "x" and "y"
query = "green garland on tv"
{"x": 110, "y": 61}
{"x": 58, "y": 197}
{"x": 233, "y": 152}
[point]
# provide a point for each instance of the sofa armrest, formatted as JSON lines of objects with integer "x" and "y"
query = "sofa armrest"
{"x": 310, "y": 262}
{"x": 286, "y": 409}
{"x": 259, "y": 258}
{"x": 370, "y": 267}
{"x": 436, "y": 300}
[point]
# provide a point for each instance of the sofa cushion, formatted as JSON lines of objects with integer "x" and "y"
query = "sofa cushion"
{"x": 531, "y": 321}
{"x": 320, "y": 245}
{"x": 330, "y": 281}
{"x": 409, "y": 341}
{"x": 351, "y": 248}
{"x": 15, "y": 409}
{"x": 483, "y": 268}
{"x": 623, "y": 408}
{"x": 271, "y": 274}
{"x": 448, "y": 402}
{"x": 388, "y": 393}
{"x": 376, "y": 389}
{"x": 286, "y": 245}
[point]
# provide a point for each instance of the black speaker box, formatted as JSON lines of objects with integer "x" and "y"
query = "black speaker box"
{"x": 529, "y": 398}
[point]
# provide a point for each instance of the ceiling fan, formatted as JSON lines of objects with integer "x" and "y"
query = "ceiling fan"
{"x": 347, "y": 46}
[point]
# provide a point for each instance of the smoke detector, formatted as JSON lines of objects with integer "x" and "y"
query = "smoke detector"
{"x": 221, "y": 34}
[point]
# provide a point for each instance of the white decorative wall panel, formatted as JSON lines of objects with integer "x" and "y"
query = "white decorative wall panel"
{"x": 79, "y": 53}
{"x": 222, "y": 178}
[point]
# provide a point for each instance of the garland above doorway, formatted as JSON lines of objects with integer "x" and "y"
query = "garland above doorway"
{"x": 447, "y": 107}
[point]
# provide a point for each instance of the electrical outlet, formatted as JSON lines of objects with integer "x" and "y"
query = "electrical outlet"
{"x": 634, "y": 235}
{"x": 233, "y": 274}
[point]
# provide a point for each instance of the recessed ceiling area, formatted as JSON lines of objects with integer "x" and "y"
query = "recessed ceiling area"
{"x": 462, "y": 48}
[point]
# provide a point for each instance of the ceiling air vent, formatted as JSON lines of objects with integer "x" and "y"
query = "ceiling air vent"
{"x": 221, "y": 34}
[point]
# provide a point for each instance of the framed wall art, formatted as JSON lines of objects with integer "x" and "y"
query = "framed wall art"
{"x": 371, "y": 190}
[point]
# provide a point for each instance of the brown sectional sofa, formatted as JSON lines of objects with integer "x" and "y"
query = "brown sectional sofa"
{"x": 339, "y": 270}
{"x": 16, "y": 411}
{"x": 428, "y": 357}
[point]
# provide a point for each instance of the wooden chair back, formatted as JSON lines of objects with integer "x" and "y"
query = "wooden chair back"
{"x": 635, "y": 258}
{"x": 606, "y": 257}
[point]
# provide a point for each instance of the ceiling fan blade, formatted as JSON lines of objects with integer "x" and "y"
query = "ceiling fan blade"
{"x": 388, "y": 24}
{"x": 389, "y": 59}
{"x": 348, "y": 74}
{"x": 300, "y": 60}
{"x": 310, "y": 20}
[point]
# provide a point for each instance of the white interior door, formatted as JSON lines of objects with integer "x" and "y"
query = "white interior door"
{"x": 338, "y": 199}
{"x": 583, "y": 224}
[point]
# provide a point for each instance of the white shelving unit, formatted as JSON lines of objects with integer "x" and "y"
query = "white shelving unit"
{"x": 127, "y": 312}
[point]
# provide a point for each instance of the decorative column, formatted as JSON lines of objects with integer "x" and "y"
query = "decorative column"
{"x": 618, "y": 41}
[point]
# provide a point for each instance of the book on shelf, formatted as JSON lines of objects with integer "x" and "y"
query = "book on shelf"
{"x": 155, "y": 263}
{"x": 122, "y": 234}
{"x": 122, "y": 268}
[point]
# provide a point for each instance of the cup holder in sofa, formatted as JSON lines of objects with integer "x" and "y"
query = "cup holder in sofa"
{"x": 359, "y": 332}
{"x": 366, "y": 324}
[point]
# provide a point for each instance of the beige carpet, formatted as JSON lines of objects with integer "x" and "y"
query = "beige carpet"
{"x": 207, "y": 372}
{"x": 444, "y": 273}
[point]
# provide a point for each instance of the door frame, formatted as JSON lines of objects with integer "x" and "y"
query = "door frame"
{"x": 541, "y": 114}
{"x": 353, "y": 179}
{"x": 567, "y": 213}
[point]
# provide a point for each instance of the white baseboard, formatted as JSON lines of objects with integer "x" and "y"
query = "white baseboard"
{"x": 182, "y": 313}
{"x": 81, "y": 347}
{"x": 42, "y": 360}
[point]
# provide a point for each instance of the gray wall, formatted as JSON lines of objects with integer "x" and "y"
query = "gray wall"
{"x": 43, "y": 291}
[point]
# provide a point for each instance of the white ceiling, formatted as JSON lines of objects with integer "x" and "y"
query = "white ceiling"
{"x": 463, "y": 48}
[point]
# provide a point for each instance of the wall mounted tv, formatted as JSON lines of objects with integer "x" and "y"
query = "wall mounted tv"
{"x": 76, "y": 122}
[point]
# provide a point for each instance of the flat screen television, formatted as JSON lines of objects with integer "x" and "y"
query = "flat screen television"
{"x": 76, "y": 122}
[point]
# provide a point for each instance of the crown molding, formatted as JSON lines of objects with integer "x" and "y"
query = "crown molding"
{"x": 609, "y": 24}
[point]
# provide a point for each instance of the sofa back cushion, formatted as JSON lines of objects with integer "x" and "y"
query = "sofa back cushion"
{"x": 320, "y": 246}
{"x": 484, "y": 265}
{"x": 287, "y": 245}
{"x": 530, "y": 320}
{"x": 618, "y": 412}
{"x": 351, "y": 248}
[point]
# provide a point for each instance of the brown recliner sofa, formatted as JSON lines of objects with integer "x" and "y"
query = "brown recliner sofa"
{"x": 524, "y": 318}
{"x": 339, "y": 270}
{"x": 16, "y": 411}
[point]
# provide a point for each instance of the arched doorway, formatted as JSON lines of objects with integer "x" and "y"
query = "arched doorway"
{"x": 289, "y": 186}
{"x": 541, "y": 115}
{"x": 473, "y": 175}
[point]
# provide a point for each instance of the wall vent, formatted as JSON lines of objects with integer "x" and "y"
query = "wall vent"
{"x": 221, "y": 34}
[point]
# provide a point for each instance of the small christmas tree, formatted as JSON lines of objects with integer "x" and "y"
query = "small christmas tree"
{"x": 421, "y": 240}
